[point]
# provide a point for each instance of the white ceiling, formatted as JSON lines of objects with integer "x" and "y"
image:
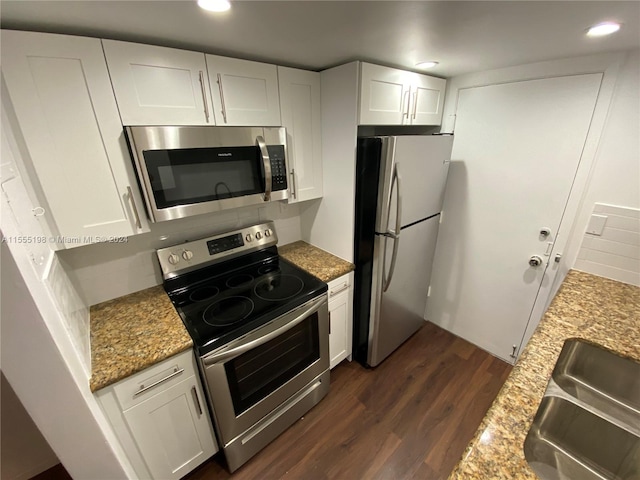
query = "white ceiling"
{"x": 464, "y": 36}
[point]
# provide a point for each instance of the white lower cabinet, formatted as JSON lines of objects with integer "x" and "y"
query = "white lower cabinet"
{"x": 161, "y": 418}
{"x": 340, "y": 318}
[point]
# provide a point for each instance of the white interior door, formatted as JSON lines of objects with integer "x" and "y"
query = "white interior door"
{"x": 516, "y": 150}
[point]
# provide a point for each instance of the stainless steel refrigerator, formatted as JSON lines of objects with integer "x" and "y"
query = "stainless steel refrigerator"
{"x": 400, "y": 182}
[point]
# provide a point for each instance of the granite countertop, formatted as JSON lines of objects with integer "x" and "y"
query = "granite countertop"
{"x": 593, "y": 308}
{"x": 131, "y": 333}
{"x": 316, "y": 261}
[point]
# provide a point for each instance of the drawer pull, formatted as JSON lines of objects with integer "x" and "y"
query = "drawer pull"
{"x": 143, "y": 389}
{"x": 342, "y": 287}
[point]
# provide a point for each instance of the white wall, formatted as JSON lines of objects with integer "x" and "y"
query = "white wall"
{"x": 329, "y": 223}
{"x": 101, "y": 272}
{"x": 615, "y": 176}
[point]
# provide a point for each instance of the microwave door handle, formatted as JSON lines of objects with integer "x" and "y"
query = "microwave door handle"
{"x": 268, "y": 180}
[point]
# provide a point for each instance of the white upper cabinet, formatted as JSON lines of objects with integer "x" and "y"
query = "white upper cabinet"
{"x": 300, "y": 106}
{"x": 389, "y": 96}
{"x": 245, "y": 93}
{"x": 158, "y": 85}
{"x": 67, "y": 116}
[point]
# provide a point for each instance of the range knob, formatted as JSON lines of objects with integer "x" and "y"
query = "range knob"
{"x": 258, "y": 236}
{"x": 267, "y": 232}
{"x": 187, "y": 255}
{"x": 248, "y": 237}
{"x": 173, "y": 259}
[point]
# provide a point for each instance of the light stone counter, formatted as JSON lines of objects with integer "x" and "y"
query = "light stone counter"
{"x": 317, "y": 262}
{"x": 602, "y": 311}
{"x": 131, "y": 333}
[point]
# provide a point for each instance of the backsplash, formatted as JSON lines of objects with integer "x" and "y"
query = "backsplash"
{"x": 101, "y": 272}
{"x": 73, "y": 311}
{"x": 611, "y": 245}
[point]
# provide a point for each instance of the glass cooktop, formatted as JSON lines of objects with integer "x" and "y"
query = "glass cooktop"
{"x": 221, "y": 302}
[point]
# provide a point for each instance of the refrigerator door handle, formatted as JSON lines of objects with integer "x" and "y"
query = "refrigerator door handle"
{"x": 394, "y": 234}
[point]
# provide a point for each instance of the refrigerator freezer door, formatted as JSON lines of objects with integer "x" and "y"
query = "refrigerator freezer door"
{"x": 423, "y": 164}
{"x": 397, "y": 313}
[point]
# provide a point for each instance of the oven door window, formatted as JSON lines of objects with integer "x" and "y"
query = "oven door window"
{"x": 253, "y": 375}
{"x": 194, "y": 175}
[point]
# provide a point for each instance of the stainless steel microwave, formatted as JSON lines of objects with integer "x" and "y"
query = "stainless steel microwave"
{"x": 186, "y": 170}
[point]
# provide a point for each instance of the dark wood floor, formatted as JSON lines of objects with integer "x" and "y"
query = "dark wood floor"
{"x": 409, "y": 418}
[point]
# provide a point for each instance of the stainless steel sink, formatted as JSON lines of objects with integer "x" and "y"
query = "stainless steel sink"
{"x": 600, "y": 379}
{"x": 588, "y": 422}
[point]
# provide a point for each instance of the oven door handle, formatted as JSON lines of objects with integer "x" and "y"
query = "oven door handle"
{"x": 230, "y": 352}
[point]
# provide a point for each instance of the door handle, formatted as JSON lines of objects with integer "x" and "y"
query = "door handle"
{"x": 405, "y": 102}
{"x": 237, "y": 348}
{"x": 133, "y": 205}
{"x": 204, "y": 95}
{"x": 266, "y": 161}
{"x": 395, "y": 234}
{"x": 224, "y": 108}
{"x": 196, "y": 400}
{"x": 535, "y": 261}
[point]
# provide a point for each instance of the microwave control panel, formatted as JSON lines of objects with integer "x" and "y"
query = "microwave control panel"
{"x": 278, "y": 167}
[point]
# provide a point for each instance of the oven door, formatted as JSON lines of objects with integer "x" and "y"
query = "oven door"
{"x": 193, "y": 170}
{"x": 250, "y": 377}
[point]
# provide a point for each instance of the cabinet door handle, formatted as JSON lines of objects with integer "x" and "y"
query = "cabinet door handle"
{"x": 329, "y": 323}
{"x": 293, "y": 182}
{"x": 176, "y": 371}
{"x": 344, "y": 286}
{"x": 405, "y": 102}
{"x": 204, "y": 96}
{"x": 415, "y": 104}
{"x": 133, "y": 205}
{"x": 224, "y": 108}
{"x": 196, "y": 400}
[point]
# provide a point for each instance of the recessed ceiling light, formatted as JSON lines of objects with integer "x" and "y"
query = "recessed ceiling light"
{"x": 214, "y": 5}
{"x": 601, "y": 29}
{"x": 426, "y": 64}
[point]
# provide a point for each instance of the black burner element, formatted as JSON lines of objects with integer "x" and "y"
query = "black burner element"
{"x": 228, "y": 311}
{"x": 279, "y": 287}
{"x": 269, "y": 269}
{"x": 204, "y": 293}
{"x": 238, "y": 281}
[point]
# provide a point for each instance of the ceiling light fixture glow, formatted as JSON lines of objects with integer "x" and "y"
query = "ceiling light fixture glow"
{"x": 601, "y": 29}
{"x": 214, "y": 5}
{"x": 429, "y": 64}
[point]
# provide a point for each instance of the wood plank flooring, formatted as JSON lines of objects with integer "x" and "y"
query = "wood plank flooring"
{"x": 409, "y": 418}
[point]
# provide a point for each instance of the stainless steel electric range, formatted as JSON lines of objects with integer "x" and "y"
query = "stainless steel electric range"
{"x": 260, "y": 327}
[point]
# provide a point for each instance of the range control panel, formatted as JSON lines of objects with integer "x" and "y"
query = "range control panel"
{"x": 190, "y": 256}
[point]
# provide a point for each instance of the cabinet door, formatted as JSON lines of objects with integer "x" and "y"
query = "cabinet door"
{"x": 172, "y": 430}
{"x": 300, "y": 108}
{"x": 158, "y": 85}
{"x": 384, "y": 95}
{"x": 340, "y": 319}
{"x": 66, "y": 113}
{"x": 427, "y": 100}
{"x": 244, "y": 93}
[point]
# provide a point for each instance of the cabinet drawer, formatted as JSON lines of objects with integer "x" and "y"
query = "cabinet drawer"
{"x": 141, "y": 386}
{"x": 339, "y": 285}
